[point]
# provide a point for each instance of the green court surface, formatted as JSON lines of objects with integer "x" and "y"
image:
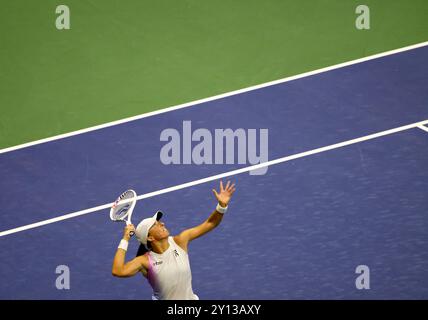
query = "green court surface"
{"x": 124, "y": 58}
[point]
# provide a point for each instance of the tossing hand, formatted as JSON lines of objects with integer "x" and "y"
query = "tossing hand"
{"x": 225, "y": 194}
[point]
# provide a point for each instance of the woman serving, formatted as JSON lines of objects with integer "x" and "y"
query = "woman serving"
{"x": 163, "y": 259}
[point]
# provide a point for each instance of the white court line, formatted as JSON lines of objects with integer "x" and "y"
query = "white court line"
{"x": 423, "y": 128}
{"x": 228, "y": 94}
{"x": 219, "y": 176}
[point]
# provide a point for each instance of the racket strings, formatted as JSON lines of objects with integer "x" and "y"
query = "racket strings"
{"x": 121, "y": 210}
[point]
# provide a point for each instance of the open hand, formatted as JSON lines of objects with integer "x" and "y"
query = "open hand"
{"x": 225, "y": 194}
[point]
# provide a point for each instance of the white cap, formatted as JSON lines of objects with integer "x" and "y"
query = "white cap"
{"x": 143, "y": 227}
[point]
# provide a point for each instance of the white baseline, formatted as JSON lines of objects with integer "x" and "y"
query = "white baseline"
{"x": 423, "y": 128}
{"x": 227, "y": 94}
{"x": 219, "y": 176}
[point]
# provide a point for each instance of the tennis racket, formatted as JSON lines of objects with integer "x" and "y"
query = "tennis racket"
{"x": 122, "y": 208}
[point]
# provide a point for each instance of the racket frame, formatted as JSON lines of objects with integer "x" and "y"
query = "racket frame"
{"x": 127, "y": 217}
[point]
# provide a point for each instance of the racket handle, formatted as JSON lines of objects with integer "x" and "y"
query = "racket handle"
{"x": 131, "y": 233}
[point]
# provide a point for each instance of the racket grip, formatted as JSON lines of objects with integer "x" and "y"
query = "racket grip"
{"x": 131, "y": 233}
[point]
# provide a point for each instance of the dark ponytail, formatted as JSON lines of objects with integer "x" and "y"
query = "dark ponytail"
{"x": 142, "y": 249}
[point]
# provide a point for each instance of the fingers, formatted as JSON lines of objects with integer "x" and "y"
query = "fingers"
{"x": 232, "y": 189}
{"x": 228, "y": 188}
{"x": 128, "y": 230}
{"x": 227, "y": 185}
{"x": 215, "y": 193}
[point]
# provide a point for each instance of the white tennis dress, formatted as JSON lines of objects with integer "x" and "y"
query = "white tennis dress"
{"x": 169, "y": 274}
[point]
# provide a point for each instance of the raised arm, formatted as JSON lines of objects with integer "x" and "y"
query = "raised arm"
{"x": 122, "y": 269}
{"x": 223, "y": 197}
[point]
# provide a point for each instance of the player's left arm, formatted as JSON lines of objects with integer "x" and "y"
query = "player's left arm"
{"x": 223, "y": 197}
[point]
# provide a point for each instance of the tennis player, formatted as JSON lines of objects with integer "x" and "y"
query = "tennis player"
{"x": 163, "y": 259}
